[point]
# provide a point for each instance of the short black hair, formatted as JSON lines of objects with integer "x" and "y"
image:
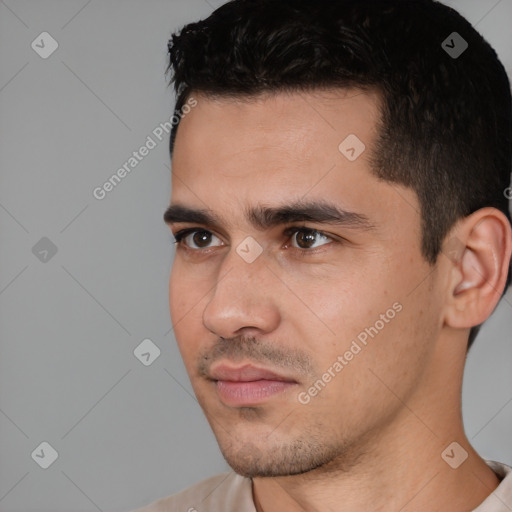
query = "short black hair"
{"x": 446, "y": 119}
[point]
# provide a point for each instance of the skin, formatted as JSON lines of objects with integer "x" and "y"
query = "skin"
{"x": 372, "y": 438}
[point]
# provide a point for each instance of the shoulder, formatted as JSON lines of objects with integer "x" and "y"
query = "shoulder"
{"x": 219, "y": 493}
{"x": 502, "y": 470}
{"x": 501, "y": 498}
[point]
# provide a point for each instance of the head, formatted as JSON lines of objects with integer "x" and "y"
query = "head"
{"x": 348, "y": 194}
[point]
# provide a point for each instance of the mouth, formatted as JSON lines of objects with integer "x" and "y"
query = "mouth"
{"x": 247, "y": 385}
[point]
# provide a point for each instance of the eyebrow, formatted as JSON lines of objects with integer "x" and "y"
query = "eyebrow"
{"x": 264, "y": 217}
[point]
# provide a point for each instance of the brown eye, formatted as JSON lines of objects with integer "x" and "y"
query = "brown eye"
{"x": 198, "y": 239}
{"x": 309, "y": 238}
{"x": 201, "y": 238}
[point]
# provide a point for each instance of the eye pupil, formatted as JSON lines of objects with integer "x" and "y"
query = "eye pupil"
{"x": 202, "y": 238}
{"x": 307, "y": 238}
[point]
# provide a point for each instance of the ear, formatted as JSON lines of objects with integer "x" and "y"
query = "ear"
{"x": 479, "y": 251}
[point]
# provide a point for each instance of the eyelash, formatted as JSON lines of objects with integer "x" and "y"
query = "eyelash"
{"x": 180, "y": 235}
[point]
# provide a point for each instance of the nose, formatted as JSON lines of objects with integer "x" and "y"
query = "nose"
{"x": 243, "y": 300}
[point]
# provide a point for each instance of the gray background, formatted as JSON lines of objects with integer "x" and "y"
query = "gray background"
{"x": 125, "y": 433}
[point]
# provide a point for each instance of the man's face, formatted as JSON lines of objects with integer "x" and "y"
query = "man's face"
{"x": 297, "y": 342}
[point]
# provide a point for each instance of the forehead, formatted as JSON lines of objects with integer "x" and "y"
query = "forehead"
{"x": 288, "y": 120}
{"x": 233, "y": 152}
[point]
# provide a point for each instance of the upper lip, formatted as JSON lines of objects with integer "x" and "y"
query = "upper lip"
{"x": 246, "y": 373}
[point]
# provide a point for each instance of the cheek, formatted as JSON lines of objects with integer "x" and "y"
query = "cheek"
{"x": 369, "y": 313}
{"x": 186, "y": 289}
{"x": 340, "y": 306}
{"x": 379, "y": 362}
{"x": 185, "y": 303}
{"x": 176, "y": 288}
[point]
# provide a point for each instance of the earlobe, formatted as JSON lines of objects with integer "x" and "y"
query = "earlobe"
{"x": 479, "y": 273}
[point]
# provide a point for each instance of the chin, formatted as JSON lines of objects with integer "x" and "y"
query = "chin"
{"x": 295, "y": 458}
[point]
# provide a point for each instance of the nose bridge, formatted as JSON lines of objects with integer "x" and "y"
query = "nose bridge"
{"x": 243, "y": 268}
{"x": 240, "y": 298}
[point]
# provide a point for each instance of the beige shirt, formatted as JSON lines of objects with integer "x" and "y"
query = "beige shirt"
{"x": 229, "y": 492}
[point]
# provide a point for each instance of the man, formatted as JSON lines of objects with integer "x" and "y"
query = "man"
{"x": 339, "y": 203}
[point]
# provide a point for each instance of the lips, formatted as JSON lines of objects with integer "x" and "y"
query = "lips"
{"x": 247, "y": 373}
{"x": 248, "y": 385}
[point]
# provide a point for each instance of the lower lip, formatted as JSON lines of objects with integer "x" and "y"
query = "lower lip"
{"x": 244, "y": 394}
